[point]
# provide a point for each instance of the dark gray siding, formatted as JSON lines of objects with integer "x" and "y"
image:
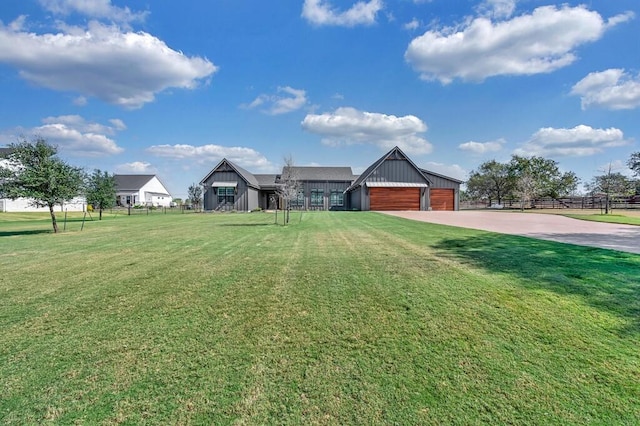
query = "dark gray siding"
{"x": 395, "y": 171}
{"x": 246, "y": 198}
{"x": 355, "y": 199}
{"x": 326, "y": 188}
{"x": 441, "y": 182}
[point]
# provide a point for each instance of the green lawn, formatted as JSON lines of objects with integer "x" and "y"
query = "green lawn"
{"x": 609, "y": 218}
{"x": 339, "y": 318}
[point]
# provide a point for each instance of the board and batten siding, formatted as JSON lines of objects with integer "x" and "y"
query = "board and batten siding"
{"x": 246, "y": 198}
{"x": 395, "y": 171}
{"x": 326, "y": 187}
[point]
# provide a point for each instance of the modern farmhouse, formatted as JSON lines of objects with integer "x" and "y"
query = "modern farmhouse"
{"x": 393, "y": 182}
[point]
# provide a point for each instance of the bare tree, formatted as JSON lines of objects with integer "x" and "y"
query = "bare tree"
{"x": 526, "y": 188}
{"x": 610, "y": 183}
{"x": 195, "y": 195}
{"x": 288, "y": 185}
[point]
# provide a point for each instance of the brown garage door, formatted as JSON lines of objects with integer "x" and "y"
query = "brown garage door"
{"x": 394, "y": 198}
{"x": 441, "y": 199}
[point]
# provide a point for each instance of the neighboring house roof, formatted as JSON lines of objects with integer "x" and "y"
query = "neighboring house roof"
{"x": 394, "y": 153}
{"x": 427, "y": 172}
{"x": 126, "y": 183}
{"x": 320, "y": 173}
{"x": 247, "y": 176}
{"x": 131, "y": 182}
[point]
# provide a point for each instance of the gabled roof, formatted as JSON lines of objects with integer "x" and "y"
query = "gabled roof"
{"x": 395, "y": 153}
{"x": 247, "y": 176}
{"x": 131, "y": 182}
{"x": 427, "y": 172}
{"x": 321, "y": 173}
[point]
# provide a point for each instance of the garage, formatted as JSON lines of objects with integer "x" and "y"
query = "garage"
{"x": 441, "y": 199}
{"x": 382, "y": 198}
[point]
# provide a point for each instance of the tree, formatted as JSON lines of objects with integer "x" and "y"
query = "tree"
{"x": 33, "y": 171}
{"x": 289, "y": 185}
{"x": 491, "y": 181}
{"x": 194, "y": 195}
{"x": 610, "y": 184}
{"x": 101, "y": 190}
{"x": 534, "y": 177}
{"x": 634, "y": 163}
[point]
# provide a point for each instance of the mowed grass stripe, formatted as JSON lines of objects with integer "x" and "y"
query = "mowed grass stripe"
{"x": 336, "y": 318}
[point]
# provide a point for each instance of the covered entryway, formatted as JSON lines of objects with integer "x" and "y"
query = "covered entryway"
{"x": 442, "y": 199}
{"x": 386, "y": 198}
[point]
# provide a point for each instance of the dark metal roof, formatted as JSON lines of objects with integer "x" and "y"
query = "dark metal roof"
{"x": 427, "y": 172}
{"x": 131, "y": 182}
{"x": 321, "y": 173}
{"x": 394, "y": 152}
{"x": 266, "y": 180}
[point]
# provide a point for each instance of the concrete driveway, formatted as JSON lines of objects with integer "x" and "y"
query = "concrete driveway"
{"x": 543, "y": 226}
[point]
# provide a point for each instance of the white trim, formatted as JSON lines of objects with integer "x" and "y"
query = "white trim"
{"x": 396, "y": 185}
{"x": 224, "y": 184}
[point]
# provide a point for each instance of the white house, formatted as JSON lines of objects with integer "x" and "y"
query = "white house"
{"x": 78, "y": 204}
{"x": 145, "y": 190}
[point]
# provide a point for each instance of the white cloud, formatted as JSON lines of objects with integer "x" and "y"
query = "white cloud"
{"x": 540, "y": 42}
{"x": 74, "y": 135}
{"x": 293, "y": 100}
{"x": 203, "y": 154}
{"x": 102, "y": 9}
{"x": 320, "y": 12}
{"x": 136, "y": 167}
{"x": 497, "y": 8}
{"x": 580, "y": 141}
{"x": 453, "y": 170}
{"x": 413, "y": 25}
{"x": 122, "y": 68}
{"x": 482, "y": 147}
{"x": 611, "y": 89}
{"x": 351, "y": 126}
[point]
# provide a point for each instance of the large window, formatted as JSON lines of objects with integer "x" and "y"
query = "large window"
{"x": 298, "y": 200}
{"x": 317, "y": 198}
{"x": 336, "y": 199}
{"x": 226, "y": 195}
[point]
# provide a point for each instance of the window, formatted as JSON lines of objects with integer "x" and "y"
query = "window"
{"x": 298, "y": 200}
{"x": 317, "y": 198}
{"x": 337, "y": 198}
{"x": 226, "y": 195}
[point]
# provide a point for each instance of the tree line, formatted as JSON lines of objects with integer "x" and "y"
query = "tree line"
{"x": 527, "y": 178}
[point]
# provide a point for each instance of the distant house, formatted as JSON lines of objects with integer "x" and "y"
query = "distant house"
{"x": 144, "y": 190}
{"x": 77, "y": 204}
{"x": 393, "y": 182}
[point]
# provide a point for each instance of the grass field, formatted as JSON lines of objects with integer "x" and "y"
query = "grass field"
{"x": 339, "y": 318}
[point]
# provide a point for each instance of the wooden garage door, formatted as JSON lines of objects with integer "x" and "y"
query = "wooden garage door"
{"x": 441, "y": 199}
{"x": 394, "y": 198}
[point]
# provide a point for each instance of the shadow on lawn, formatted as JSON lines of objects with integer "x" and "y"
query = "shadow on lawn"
{"x": 25, "y": 232}
{"x": 605, "y": 279}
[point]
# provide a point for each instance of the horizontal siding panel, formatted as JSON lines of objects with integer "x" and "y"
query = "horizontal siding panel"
{"x": 394, "y": 198}
{"x": 442, "y": 199}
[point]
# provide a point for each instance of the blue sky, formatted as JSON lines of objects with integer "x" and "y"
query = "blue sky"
{"x": 171, "y": 88}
